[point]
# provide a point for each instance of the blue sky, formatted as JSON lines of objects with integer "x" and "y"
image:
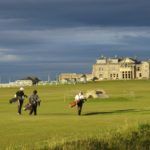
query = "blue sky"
{"x": 41, "y": 37}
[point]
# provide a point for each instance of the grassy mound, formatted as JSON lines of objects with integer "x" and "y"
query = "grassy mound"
{"x": 138, "y": 139}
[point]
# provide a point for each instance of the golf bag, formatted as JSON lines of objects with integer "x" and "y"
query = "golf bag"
{"x": 72, "y": 104}
{"x": 27, "y": 107}
{"x": 13, "y": 100}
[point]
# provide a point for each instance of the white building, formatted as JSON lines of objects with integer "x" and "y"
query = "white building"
{"x": 120, "y": 68}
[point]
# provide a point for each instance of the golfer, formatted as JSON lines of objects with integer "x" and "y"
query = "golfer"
{"x": 20, "y": 96}
{"x": 34, "y": 101}
{"x": 79, "y": 98}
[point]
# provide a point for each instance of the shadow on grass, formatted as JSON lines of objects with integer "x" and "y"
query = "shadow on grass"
{"x": 115, "y": 111}
{"x": 56, "y": 114}
{"x": 96, "y": 113}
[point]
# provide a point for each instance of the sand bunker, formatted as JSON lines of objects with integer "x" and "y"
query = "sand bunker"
{"x": 96, "y": 94}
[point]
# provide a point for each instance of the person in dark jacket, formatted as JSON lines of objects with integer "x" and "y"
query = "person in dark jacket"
{"x": 34, "y": 101}
{"x": 20, "y": 96}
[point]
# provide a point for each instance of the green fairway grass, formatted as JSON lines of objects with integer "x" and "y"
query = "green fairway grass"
{"x": 127, "y": 106}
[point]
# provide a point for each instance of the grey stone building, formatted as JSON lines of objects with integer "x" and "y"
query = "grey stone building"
{"x": 120, "y": 69}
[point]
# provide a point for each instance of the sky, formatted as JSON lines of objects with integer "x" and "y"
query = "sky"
{"x": 48, "y": 37}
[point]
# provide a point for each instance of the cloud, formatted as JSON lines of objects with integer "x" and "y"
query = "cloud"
{"x": 64, "y": 35}
{"x": 72, "y": 43}
{"x": 6, "y": 56}
{"x": 9, "y": 58}
{"x": 41, "y": 15}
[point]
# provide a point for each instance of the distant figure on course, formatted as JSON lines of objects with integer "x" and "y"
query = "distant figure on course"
{"x": 34, "y": 101}
{"x": 79, "y": 98}
{"x": 20, "y": 96}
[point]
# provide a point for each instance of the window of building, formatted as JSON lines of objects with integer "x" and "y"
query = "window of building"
{"x": 123, "y": 75}
{"x": 129, "y": 76}
{"x": 101, "y": 69}
{"x": 138, "y": 69}
{"x": 126, "y": 74}
{"x": 140, "y": 74}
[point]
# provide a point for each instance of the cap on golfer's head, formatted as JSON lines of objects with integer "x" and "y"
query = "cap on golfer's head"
{"x": 21, "y": 89}
{"x": 80, "y": 93}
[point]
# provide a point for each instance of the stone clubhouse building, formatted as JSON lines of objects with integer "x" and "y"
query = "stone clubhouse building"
{"x": 113, "y": 69}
